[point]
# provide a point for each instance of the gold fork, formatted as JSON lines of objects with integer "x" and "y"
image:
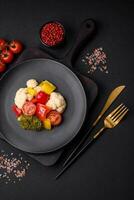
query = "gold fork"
{"x": 113, "y": 118}
{"x": 110, "y": 121}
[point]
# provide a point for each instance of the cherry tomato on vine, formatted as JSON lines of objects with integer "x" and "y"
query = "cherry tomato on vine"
{"x": 2, "y": 66}
{"x": 3, "y": 44}
{"x": 15, "y": 46}
{"x": 6, "y": 56}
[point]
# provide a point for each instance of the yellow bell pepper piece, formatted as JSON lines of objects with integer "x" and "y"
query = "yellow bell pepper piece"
{"x": 41, "y": 83}
{"x": 47, "y": 124}
{"x": 31, "y": 91}
{"x": 47, "y": 87}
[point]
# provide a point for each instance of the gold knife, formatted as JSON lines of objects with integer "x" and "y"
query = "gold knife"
{"x": 111, "y": 98}
{"x": 113, "y": 95}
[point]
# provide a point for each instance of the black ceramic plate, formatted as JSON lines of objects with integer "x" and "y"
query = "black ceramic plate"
{"x": 67, "y": 83}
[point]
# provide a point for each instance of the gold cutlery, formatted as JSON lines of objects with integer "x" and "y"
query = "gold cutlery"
{"x": 111, "y": 98}
{"x": 112, "y": 120}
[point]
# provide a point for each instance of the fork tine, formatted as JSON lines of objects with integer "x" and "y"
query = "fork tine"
{"x": 121, "y": 115}
{"x": 115, "y": 110}
{"x": 120, "y": 111}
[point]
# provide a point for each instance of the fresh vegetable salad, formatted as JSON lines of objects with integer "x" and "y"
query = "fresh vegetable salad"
{"x": 38, "y": 106}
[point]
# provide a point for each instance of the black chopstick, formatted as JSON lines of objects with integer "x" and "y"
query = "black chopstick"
{"x": 78, "y": 146}
{"x": 75, "y": 157}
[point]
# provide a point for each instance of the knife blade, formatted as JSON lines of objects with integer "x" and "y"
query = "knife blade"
{"x": 111, "y": 98}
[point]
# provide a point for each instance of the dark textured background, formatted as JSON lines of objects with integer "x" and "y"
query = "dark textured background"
{"x": 106, "y": 171}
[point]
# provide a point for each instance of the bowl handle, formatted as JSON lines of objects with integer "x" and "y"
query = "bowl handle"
{"x": 87, "y": 29}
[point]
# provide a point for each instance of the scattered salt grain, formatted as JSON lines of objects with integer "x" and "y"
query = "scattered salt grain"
{"x": 12, "y": 168}
{"x": 96, "y": 60}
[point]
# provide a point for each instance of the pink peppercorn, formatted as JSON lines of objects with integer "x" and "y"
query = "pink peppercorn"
{"x": 52, "y": 33}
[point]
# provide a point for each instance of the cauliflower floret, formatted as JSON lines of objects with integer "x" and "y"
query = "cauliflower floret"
{"x": 61, "y": 108}
{"x": 22, "y": 90}
{"x": 38, "y": 89}
{"x": 32, "y": 83}
{"x": 20, "y": 97}
{"x": 57, "y": 102}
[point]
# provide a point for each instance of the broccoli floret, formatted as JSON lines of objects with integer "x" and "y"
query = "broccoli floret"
{"x": 30, "y": 123}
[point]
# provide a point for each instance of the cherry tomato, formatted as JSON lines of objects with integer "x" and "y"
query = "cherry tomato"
{"x": 42, "y": 97}
{"x": 42, "y": 111}
{"x": 16, "y": 110}
{"x": 15, "y": 46}
{"x": 2, "y": 67}
{"x": 54, "y": 117}
{"x": 7, "y": 56}
{"x": 3, "y": 44}
{"x": 29, "y": 109}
